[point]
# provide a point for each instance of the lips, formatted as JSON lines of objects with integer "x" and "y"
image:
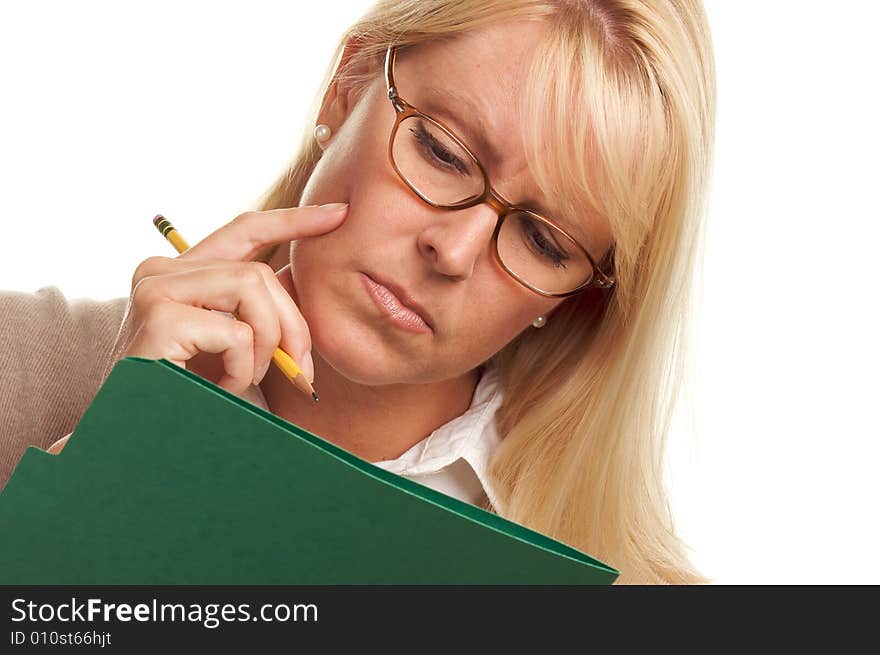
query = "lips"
{"x": 404, "y": 298}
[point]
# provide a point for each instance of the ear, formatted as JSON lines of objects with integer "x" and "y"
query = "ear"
{"x": 342, "y": 94}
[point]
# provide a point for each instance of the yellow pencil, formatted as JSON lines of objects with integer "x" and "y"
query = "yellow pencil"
{"x": 282, "y": 360}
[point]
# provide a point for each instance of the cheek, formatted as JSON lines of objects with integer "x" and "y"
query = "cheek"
{"x": 357, "y": 155}
{"x": 506, "y": 307}
{"x": 314, "y": 257}
{"x": 495, "y": 318}
{"x": 317, "y": 265}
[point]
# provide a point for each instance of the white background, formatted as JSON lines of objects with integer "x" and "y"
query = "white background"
{"x": 111, "y": 113}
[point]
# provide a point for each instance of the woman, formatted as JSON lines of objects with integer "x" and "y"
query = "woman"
{"x": 487, "y": 238}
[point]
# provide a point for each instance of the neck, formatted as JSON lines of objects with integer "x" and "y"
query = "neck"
{"x": 374, "y": 423}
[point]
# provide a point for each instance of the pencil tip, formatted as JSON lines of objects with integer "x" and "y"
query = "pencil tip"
{"x": 315, "y": 396}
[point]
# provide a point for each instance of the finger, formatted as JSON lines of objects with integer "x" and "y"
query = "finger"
{"x": 295, "y": 334}
{"x": 157, "y": 265}
{"x": 239, "y": 288}
{"x": 179, "y": 332}
{"x": 243, "y": 237}
{"x": 58, "y": 446}
{"x": 295, "y": 337}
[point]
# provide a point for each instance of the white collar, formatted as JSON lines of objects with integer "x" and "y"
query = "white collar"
{"x": 471, "y": 436}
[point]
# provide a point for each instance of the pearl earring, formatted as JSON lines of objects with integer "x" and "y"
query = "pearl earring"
{"x": 322, "y": 132}
{"x": 539, "y": 322}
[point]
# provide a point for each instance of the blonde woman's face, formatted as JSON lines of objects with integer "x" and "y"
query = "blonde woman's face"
{"x": 442, "y": 259}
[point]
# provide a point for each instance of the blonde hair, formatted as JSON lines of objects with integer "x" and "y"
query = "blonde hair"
{"x": 622, "y": 94}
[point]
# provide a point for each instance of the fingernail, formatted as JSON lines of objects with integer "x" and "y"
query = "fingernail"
{"x": 335, "y": 206}
{"x": 308, "y": 366}
{"x": 261, "y": 373}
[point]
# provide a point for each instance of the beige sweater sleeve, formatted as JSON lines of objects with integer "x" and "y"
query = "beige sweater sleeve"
{"x": 53, "y": 353}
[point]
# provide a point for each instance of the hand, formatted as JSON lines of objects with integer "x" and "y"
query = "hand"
{"x": 58, "y": 446}
{"x": 169, "y": 310}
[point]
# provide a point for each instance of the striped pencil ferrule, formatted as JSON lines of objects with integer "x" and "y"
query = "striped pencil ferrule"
{"x": 164, "y": 226}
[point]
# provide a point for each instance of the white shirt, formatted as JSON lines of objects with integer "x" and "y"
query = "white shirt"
{"x": 454, "y": 458}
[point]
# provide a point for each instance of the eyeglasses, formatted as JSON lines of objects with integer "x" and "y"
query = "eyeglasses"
{"x": 441, "y": 170}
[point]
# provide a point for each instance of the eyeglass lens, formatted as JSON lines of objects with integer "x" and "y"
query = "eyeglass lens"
{"x": 432, "y": 162}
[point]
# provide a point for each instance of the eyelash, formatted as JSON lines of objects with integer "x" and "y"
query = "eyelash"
{"x": 436, "y": 151}
{"x": 538, "y": 240}
{"x": 442, "y": 157}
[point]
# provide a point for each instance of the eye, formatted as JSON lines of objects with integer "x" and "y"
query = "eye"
{"x": 539, "y": 244}
{"x": 435, "y": 152}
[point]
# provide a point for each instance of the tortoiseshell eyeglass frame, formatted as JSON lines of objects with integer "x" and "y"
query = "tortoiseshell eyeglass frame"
{"x": 404, "y": 110}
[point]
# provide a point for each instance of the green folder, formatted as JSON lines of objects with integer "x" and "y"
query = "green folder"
{"x": 169, "y": 479}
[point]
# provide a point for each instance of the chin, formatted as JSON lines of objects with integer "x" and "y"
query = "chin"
{"x": 362, "y": 353}
{"x": 356, "y": 356}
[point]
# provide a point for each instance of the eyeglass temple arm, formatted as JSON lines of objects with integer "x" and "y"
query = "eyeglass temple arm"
{"x": 603, "y": 279}
{"x": 389, "y": 79}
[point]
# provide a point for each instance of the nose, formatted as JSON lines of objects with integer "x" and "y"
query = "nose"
{"x": 455, "y": 240}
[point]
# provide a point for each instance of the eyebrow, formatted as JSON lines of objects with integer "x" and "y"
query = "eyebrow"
{"x": 442, "y": 102}
{"x": 576, "y": 230}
